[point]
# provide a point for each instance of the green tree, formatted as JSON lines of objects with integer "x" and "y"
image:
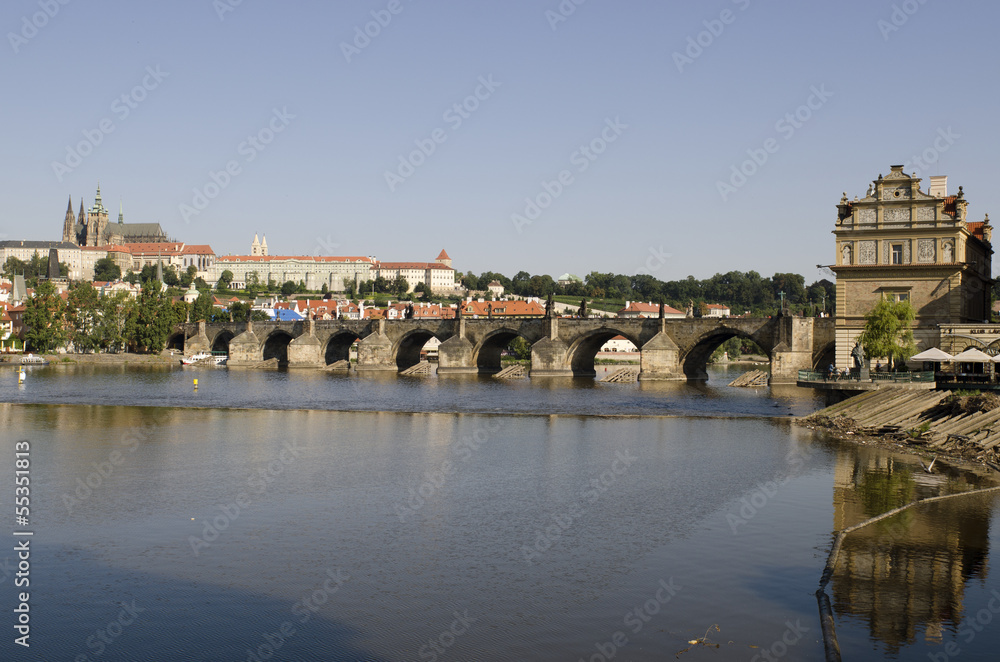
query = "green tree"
{"x": 107, "y": 269}
{"x": 253, "y": 286}
{"x": 188, "y": 276}
{"x": 225, "y": 278}
{"x": 14, "y": 266}
{"x": 149, "y": 324}
{"x": 289, "y": 288}
{"x": 202, "y": 310}
{"x": 887, "y": 331}
{"x": 83, "y": 317}
{"x": 115, "y": 310}
{"x": 44, "y": 317}
{"x": 521, "y": 348}
{"x": 400, "y": 286}
{"x": 423, "y": 288}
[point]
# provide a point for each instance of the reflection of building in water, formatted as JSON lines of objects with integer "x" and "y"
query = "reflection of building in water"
{"x": 906, "y": 575}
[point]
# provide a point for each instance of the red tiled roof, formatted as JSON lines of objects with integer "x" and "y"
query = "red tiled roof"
{"x": 200, "y": 249}
{"x": 503, "y": 308}
{"x": 412, "y": 265}
{"x": 640, "y": 307}
{"x": 976, "y": 230}
{"x": 442, "y": 255}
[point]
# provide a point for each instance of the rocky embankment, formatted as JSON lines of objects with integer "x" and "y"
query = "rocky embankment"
{"x": 939, "y": 422}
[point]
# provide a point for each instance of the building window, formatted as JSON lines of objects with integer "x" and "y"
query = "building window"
{"x": 897, "y": 253}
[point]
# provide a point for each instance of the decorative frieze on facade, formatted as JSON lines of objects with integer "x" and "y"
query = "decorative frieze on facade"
{"x": 897, "y": 215}
{"x": 867, "y": 252}
{"x": 926, "y": 213}
{"x": 925, "y": 250}
{"x": 907, "y": 252}
{"x": 896, "y": 193}
{"x": 867, "y": 216}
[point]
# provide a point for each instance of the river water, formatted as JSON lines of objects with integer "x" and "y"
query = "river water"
{"x": 305, "y": 516}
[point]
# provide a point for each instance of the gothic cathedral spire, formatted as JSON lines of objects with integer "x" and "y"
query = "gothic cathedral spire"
{"x": 69, "y": 225}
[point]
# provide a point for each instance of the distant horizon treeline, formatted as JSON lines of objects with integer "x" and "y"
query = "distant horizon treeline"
{"x": 741, "y": 291}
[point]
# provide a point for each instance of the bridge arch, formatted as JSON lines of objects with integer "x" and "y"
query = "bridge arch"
{"x": 276, "y": 346}
{"x": 486, "y": 356}
{"x": 176, "y": 341}
{"x": 583, "y": 352}
{"x": 695, "y": 361}
{"x": 338, "y": 346}
{"x": 407, "y": 348}
{"x": 222, "y": 340}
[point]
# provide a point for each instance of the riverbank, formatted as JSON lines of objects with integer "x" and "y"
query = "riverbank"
{"x": 926, "y": 424}
{"x": 164, "y": 358}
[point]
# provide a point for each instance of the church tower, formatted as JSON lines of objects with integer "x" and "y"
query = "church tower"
{"x": 255, "y": 246}
{"x": 69, "y": 225}
{"x": 263, "y": 246}
{"x": 97, "y": 222}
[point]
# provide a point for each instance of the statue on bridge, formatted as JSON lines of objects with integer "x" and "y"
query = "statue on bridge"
{"x": 409, "y": 312}
{"x": 662, "y": 309}
{"x": 583, "y": 309}
{"x": 548, "y": 307}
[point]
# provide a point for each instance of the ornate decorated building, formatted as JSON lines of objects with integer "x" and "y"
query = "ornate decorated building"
{"x": 93, "y": 228}
{"x": 900, "y": 242}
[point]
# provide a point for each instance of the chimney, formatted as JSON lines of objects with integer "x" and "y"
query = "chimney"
{"x": 939, "y": 186}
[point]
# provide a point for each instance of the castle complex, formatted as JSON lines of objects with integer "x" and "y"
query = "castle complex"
{"x": 902, "y": 243}
{"x": 93, "y": 228}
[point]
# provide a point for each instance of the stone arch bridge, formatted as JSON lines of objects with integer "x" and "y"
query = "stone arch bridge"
{"x": 669, "y": 349}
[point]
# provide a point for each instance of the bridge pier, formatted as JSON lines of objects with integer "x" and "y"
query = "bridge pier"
{"x": 455, "y": 354}
{"x": 659, "y": 359}
{"x": 198, "y": 342}
{"x": 245, "y": 349}
{"x": 375, "y": 352}
{"x": 304, "y": 351}
{"x": 794, "y": 350}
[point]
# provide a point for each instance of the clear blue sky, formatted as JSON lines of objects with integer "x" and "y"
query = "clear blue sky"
{"x": 320, "y": 186}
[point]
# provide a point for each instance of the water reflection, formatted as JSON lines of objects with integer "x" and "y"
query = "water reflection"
{"x": 906, "y": 577}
